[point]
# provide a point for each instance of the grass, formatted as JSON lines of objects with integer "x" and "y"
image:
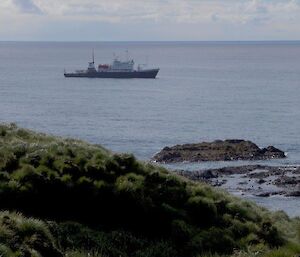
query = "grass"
{"x": 112, "y": 204}
{"x": 20, "y": 236}
{"x": 83, "y": 253}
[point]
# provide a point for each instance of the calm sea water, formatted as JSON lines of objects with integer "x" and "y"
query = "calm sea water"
{"x": 204, "y": 91}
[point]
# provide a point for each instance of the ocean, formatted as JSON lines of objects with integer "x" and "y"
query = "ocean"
{"x": 204, "y": 91}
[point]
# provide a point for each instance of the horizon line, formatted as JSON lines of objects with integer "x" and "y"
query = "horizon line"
{"x": 149, "y": 41}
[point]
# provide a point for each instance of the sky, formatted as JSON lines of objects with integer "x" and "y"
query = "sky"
{"x": 149, "y": 20}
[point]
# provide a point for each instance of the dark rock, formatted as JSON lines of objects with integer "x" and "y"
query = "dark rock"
{"x": 265, "y": 194}
{"x": 209, "y": 174}
{"x": 261, "y": 181}
{"x": 202, "y": 175}
{"x": 228, "y": 150}
{"x": 268, "y": 194}
{"x": 218, "y": 183}
{"x": 272, "y": 153}
{"x": 285, "y": 180}
{"x": 238, "y": 169}
{"x": 256, "y": 179}
{"x": 294, "y": 194}
{"x": 259, "y": 175}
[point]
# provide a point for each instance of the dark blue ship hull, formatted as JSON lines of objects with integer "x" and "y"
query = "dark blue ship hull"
{"x": 143, "y": 74}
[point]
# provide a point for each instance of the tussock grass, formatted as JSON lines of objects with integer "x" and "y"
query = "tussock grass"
{"x": 120, "y": 205}
{"x": 20, "y": 236}
{"x": 83, "y": 253}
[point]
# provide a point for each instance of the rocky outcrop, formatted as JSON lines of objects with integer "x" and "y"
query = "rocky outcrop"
{"x": 227, "y": 150}
{"x": 258, "y": 180}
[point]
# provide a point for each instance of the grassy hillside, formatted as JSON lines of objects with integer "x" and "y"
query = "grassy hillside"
{"x": 94, "y": 200}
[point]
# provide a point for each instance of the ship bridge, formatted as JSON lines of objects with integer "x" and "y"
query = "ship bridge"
{"x": 118, "y": 65}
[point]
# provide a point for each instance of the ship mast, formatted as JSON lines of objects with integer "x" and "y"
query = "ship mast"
{"x": 127, "y": 56}
{"x": 91, "y": 67}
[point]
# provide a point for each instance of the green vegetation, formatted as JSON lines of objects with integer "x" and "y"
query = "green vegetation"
{"x": 21, "y": 236}
{"x": 93, "y": 201}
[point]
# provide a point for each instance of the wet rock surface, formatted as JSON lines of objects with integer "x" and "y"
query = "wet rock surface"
{"x": 257, "y": 180}
{"x": 227, "y": 150}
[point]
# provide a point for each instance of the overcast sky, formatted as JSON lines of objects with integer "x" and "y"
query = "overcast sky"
{"x": 131, "y": 20}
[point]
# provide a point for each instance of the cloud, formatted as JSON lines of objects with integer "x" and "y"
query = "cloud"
{"x": 256, "y": 12}
{"x": 201, "y": 19}
{"x": 176, "y": 11}
{"x": 27, "y": 6}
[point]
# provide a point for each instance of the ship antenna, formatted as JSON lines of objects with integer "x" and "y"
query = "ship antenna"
{"x": 93, "y": 57}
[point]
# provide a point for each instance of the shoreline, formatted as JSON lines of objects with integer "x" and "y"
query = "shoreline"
{"x": 255, "y": 180}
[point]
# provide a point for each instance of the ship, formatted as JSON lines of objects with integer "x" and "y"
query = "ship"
{"x": 118, "y": 69}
